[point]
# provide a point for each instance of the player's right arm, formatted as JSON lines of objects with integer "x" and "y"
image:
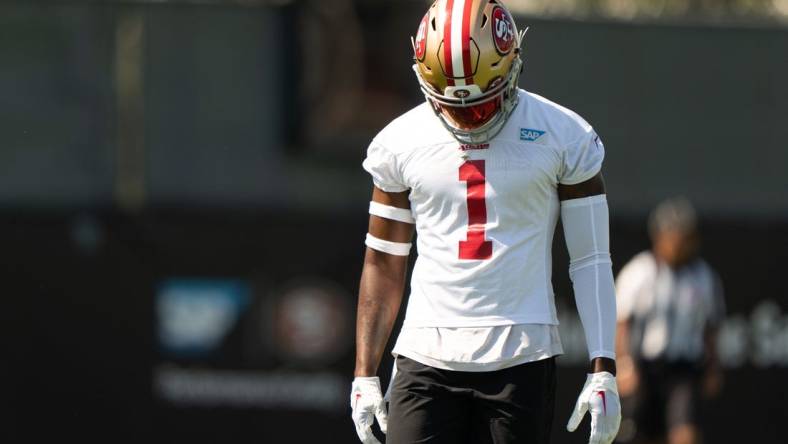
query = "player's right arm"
{"x": 380, "y": 296}
{"x": 382, "y": 284}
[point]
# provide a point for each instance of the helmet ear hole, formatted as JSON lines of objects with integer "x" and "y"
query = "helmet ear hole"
{"x": 484, "y": 20}
{"x": 433, "y": 24}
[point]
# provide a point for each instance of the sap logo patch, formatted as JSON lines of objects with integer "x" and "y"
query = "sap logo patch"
{"x": 530, "y": 134}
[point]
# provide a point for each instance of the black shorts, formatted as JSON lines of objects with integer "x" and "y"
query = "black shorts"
{"x": 513, "y": 405}
{"x": 667, "y": 397}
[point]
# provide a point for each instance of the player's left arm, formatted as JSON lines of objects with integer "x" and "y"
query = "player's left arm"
{"x": 584, "y": 215}
{"x": 713, "y": 378}
{"x": 592, "y": 187}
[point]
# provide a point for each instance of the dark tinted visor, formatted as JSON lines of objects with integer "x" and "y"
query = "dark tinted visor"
{"x": 471, "y": 117}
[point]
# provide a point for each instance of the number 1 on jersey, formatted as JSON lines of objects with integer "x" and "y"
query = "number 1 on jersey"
{"x": 475, "y": 247}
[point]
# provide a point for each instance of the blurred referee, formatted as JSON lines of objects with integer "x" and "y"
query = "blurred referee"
{"x": 669, "y": 307}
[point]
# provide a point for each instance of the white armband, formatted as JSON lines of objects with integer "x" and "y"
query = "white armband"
{"x": 389, "y": 212}
{"x": 395, "y": 248}
{"x": 586, "y": 229}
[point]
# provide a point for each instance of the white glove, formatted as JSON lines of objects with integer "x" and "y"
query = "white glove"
{"x": 600, "y": 398}
{"x": 367, "y": 401}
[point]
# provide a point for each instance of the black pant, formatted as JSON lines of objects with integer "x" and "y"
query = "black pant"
{"x": 513, "y": 405}
{"x": 668, "y": 396}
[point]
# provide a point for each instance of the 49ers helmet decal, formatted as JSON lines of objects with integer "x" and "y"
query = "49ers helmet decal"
{"x": 420, "y": 43}
{"x": 467, "y": 61}
{"x": 503, "y": 30}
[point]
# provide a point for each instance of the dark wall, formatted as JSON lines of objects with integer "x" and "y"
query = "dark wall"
{"x": 56, "y": 111}
{"x": 251, "y": 105}
{"x": 81, "y": 325}
{"x": 698, "y": 111}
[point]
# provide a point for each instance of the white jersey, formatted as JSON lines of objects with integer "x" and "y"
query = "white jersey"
{"x": 485, "y": 214}
{"x": 479, "y": 349}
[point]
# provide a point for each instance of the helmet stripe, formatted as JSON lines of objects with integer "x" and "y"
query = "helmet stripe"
{"x": 457, "y": 41}
{"x": 466, "y": 42}
{"x": 447, "y": 56}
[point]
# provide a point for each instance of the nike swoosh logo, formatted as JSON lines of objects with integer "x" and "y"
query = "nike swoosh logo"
{"x": 604, "y": 401}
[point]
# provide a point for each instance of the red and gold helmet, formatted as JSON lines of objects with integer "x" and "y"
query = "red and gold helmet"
{"x": 467, "y": 55}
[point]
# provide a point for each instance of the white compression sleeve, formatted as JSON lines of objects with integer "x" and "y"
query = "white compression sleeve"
{"x": 586, "y": 229}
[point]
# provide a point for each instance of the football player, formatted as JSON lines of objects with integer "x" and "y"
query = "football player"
{"x": 481, "y": 172}
{"x": 670, "y": 308}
